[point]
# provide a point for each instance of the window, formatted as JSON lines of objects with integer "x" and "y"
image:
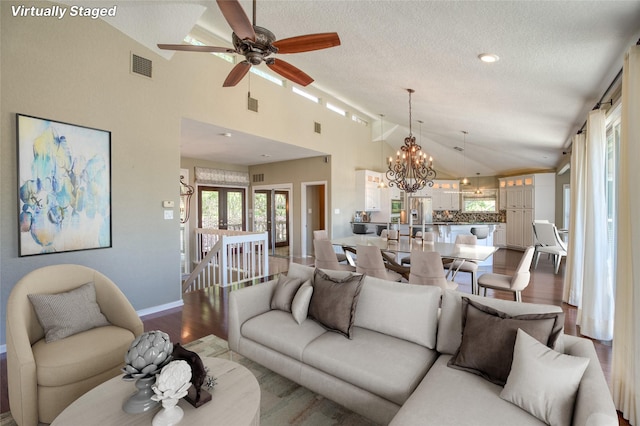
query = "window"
{"x": 480, "y": 203}
{"x": 305, "y": 94}
{"x": 611, "y": 169}
{"x": 336, "y": 109}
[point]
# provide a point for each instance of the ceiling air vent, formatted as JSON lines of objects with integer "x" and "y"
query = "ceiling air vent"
{"x": 252, "y": 104}
{"x": 140, "y": 65}
{"x": 259, "y": 177}
{"x": 317, "y": 127}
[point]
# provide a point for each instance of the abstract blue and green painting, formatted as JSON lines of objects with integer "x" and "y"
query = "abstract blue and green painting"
{"x": 64, "y": 186}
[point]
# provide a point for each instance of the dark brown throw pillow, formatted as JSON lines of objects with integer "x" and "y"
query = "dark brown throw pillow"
{"x": 284, "y": 293}
{"x": 489, "y": 336}
{"x": 334, "y": 300}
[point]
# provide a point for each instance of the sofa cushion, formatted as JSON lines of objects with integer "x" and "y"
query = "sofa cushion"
{"x": 279, "y": 331}
{"x": 489, "y": 335}
{"x": 402, "y": 310}
{"x": 450, "y": 323}
{"x": 334, "y": 300}
{"x": 300, "y": 304}
{"x": 80, "y": 356}
{"x": 384, "y": 365}
{"x": 542, "y": 381}
{"x": 449, "y": 397}
{"x": 65, "y": 314}
{"x": 284, "y": 292}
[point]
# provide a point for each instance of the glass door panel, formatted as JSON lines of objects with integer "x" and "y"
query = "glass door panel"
{"x": 272, "y": 207}
{"x": 221, "y": 208}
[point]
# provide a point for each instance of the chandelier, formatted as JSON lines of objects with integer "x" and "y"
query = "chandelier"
{"x": 411, "y": 171}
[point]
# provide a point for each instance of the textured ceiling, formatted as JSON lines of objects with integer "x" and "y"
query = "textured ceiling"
{"x": 556, "y": 60}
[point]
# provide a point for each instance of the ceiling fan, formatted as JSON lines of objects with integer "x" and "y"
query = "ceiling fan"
{"x": 257, "y": 44}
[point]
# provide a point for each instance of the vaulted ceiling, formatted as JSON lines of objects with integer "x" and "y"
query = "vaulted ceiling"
{"x": 557, "y": 58}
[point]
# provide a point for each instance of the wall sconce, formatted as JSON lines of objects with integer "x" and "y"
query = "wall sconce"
{"x": 186, "y": 191}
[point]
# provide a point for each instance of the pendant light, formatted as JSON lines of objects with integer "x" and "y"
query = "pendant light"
{"x": 465, "y": 181}
{"x": 477, "y": 191}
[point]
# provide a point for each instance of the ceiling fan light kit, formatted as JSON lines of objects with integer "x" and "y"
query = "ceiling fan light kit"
{"x": 257, "y": 44}
{"x": 411, "y": 171}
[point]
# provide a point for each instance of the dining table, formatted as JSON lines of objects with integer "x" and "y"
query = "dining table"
{"x": 460, "y": 252}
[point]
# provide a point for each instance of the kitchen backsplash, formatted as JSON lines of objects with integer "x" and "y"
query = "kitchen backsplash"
{"x": 457, "y": 216}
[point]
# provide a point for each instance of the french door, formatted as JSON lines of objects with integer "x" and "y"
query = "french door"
{"x": 221, "y": 208}
{"x": 271, "y": 215}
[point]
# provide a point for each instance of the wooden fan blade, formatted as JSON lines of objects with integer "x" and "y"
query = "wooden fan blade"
{"x": 237, "y": 19}
{"x": 306, "y": 43}
{"x": 289, "y": 72}
{"x": 193, "y": 48}
{"x": 236, "y": 74}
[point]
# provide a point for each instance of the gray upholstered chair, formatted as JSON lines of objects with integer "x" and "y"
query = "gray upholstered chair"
{"x": 514, "y": 283}
{"x": 370, "y": 262}
{"x": 326, "y": 257}
{"x": 548, "y": 241}
{"x": 44, "y": 378}
{"x": 321, "y": 234}
{"x": 418, "y": 240}
{"x": 465, "y": 265}
{"x": 426, "y": 268}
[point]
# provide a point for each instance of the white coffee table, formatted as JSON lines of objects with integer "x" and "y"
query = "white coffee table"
{"x": 235, "y": 400}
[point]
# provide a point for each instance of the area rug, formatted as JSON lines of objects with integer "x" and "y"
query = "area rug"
{"x": 283, "y": 402}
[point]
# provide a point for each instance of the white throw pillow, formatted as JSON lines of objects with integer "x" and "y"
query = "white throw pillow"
{"x": 300, "y": 304}
{"x": 542, "y": 381}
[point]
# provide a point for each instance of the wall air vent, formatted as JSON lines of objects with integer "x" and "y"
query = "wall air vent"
{"x": 259, "y": 177}
{"x": 252, "y": 104}
{"x": 317, "y": 127}
{"x": 141, "y": 66}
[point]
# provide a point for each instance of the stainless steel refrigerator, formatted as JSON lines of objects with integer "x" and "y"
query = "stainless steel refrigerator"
{"x": 420, "y": 213}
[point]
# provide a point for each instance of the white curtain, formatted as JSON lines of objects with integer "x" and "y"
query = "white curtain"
{"x": 587, "y": 282}
{"x": 575, "y": 254}
{"x": 626, "y": 343}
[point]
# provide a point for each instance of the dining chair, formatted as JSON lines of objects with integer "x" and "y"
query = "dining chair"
{"x": 390, "y": 234}
{"x": 549, "y": 241}
{"x": 321, "y": 234}
{"x": 371, "y": 262}
{"x": 469, "y": 266}
{"x": 326, "y": 257}
{"x": 514, "y": 283}
{"x": 427, "y": 269}
{"x": 427, "y": 237}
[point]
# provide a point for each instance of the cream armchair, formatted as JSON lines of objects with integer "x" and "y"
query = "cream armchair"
{"x": 44, "y": 378}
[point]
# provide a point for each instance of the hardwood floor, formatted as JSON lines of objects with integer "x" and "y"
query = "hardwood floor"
{"x": 205, "y": 311}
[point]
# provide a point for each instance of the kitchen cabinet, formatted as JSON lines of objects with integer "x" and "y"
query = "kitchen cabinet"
{"x": 500, "y": 235}
{"x": 526, "y": 198}
{"x": 368, "y": 190}
{"x": 445, "y": 195}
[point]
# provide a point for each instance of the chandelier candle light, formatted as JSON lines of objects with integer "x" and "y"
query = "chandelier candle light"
{"x": 411, "y": 171}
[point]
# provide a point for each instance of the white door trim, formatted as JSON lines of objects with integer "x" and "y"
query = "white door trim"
{"x": 303, "y": 212}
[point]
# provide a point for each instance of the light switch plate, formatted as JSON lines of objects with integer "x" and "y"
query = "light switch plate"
{"x": 168, "y": 214}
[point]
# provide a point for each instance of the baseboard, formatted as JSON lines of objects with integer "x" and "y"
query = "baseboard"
{"x": 141, "y": 313}
{"x": 160, "y": 308}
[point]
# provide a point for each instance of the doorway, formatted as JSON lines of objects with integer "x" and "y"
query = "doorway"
{"x": 221, "y": 208}
{"x": 314, "y": 214}
{"x": 271, "y": 215}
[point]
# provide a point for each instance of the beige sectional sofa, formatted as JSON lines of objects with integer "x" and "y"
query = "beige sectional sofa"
{"x": 394, "y": 368}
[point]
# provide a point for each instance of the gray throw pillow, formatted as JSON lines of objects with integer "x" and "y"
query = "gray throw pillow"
{"x": 286, "y": 289}
{"x": 334, "y": 300}
{"x": 543, "y": 382}
{"x": 489, "y": 335}
{"x": 65, "y": 314}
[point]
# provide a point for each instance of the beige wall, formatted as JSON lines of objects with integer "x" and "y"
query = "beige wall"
{"x": 76, "y": 70}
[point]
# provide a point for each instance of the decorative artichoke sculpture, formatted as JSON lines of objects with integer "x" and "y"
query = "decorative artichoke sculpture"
{"x": 173, "y": 382}
{"x": 147, "y": 354}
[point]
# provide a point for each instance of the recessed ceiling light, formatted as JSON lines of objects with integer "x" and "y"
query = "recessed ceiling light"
{"x": 226, "y": 134}
{"x": 265, "y": 155}
{"x": 488, "y": 57}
